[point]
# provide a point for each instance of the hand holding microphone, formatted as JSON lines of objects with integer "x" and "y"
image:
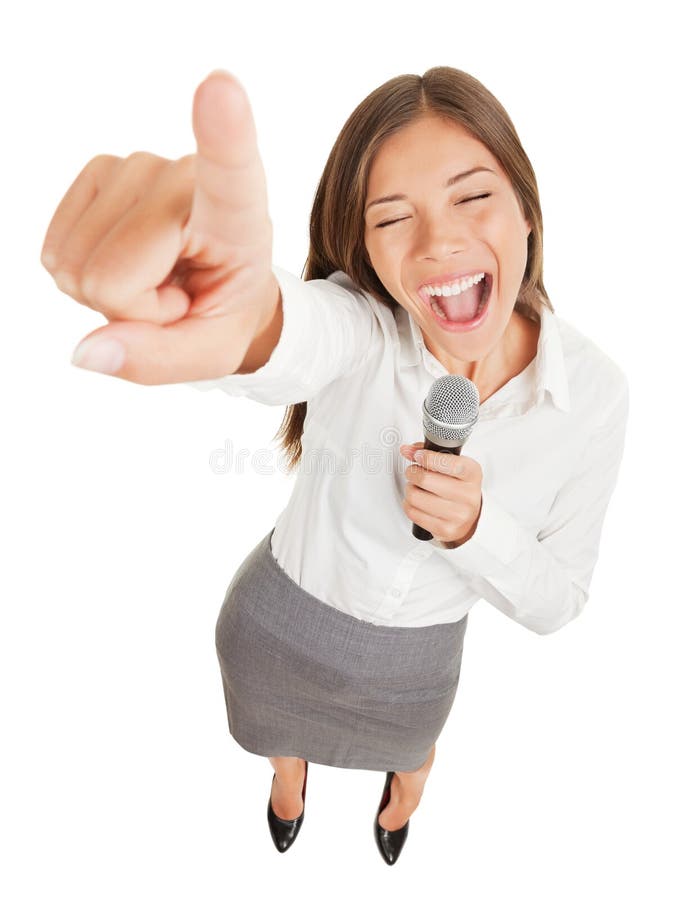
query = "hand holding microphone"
{"x": 444, "y": 496}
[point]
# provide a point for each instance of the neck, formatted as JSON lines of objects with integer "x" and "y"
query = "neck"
{"x": 514, "y": 350}
{"x": 483, "y": 369}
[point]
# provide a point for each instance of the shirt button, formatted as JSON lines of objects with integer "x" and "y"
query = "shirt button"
{"x": 395, "y": 592}
{"x": 418, "y": 554}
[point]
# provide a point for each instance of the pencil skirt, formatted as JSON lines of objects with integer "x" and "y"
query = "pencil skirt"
{"x": 304, "y": 679}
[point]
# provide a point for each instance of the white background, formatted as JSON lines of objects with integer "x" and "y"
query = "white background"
{"x": 553, "y": 775}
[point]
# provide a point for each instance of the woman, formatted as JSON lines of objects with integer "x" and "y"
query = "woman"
{"x": 340, "y": 637}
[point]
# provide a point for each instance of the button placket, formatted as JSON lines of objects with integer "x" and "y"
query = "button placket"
{"x": 399, "y": 586}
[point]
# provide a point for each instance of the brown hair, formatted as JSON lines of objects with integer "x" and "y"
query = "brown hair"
{"x": 336, "y": 229}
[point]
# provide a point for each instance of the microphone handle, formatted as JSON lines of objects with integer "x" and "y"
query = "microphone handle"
{"x": 421, "y": 533}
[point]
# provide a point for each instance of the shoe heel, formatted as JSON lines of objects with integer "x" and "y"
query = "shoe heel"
{"x": 389, "y": 843}
{"x": 285, "y": 831}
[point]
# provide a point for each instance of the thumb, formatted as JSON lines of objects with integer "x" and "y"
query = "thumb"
{"x": 191, "y": 349}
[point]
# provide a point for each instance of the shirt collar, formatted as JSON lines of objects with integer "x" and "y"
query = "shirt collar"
{"x": 550, "y": 370}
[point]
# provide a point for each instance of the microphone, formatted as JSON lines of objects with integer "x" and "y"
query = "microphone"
{"x": 449, "y": 413}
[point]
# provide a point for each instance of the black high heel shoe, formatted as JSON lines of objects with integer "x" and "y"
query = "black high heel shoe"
{"x": 389, "y": 843}
{"x": 285, "y": 831}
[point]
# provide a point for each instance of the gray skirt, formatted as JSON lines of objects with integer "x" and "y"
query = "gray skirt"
{"x": 304, "y": 679}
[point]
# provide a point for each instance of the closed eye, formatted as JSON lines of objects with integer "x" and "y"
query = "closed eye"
{"x": 479, "y": 197}
{"x": 467, "y": 200}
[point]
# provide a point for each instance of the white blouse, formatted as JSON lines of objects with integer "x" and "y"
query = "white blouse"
{"x": 549, "y": 441}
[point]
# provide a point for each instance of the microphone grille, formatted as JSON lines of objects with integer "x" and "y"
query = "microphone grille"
{"x": 451, "y": 409}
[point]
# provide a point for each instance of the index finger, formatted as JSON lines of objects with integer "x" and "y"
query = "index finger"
{"x": 462, "y": 467}
{"x": 230, "y": 194}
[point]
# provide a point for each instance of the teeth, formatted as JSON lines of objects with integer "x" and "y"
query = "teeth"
{"x": 436, "y": 308}
{"x": 439, "y": 311}
{"x": 453, "y": 288}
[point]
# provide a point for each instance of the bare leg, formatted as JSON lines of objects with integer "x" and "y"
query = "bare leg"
{"x": 406, "y": 793}
{"x": 287, "y": 786}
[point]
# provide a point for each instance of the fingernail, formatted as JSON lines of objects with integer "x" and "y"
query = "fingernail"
{"x": 100, "y": 355}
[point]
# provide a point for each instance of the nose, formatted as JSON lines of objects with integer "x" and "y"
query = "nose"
{"x": 439, "y": 237}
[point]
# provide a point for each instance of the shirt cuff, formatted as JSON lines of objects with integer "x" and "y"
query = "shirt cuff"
{"x": 278, "y": 381}
{"x": 494, "y": 543}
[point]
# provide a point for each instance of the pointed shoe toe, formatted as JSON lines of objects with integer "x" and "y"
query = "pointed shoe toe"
{"x": 389, "y": 843}
{"x": 285, "y": 831}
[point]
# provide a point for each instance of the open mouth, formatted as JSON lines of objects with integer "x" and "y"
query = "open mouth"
{"x": 444, "y": 316}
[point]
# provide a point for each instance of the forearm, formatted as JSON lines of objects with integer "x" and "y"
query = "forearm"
{"x": 267, "y": 330}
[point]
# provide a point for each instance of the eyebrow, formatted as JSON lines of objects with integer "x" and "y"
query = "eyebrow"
{"x": 452, "y": 180}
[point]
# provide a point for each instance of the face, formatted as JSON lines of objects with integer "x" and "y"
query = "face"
{"x": 438, "y": 230}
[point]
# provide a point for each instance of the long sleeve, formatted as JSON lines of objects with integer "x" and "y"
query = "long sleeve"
{"x": 328, "y": 328}
{"x": 543, "y": 581}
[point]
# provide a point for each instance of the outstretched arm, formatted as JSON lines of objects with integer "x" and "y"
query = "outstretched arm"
{"x": 327, "y": 328}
